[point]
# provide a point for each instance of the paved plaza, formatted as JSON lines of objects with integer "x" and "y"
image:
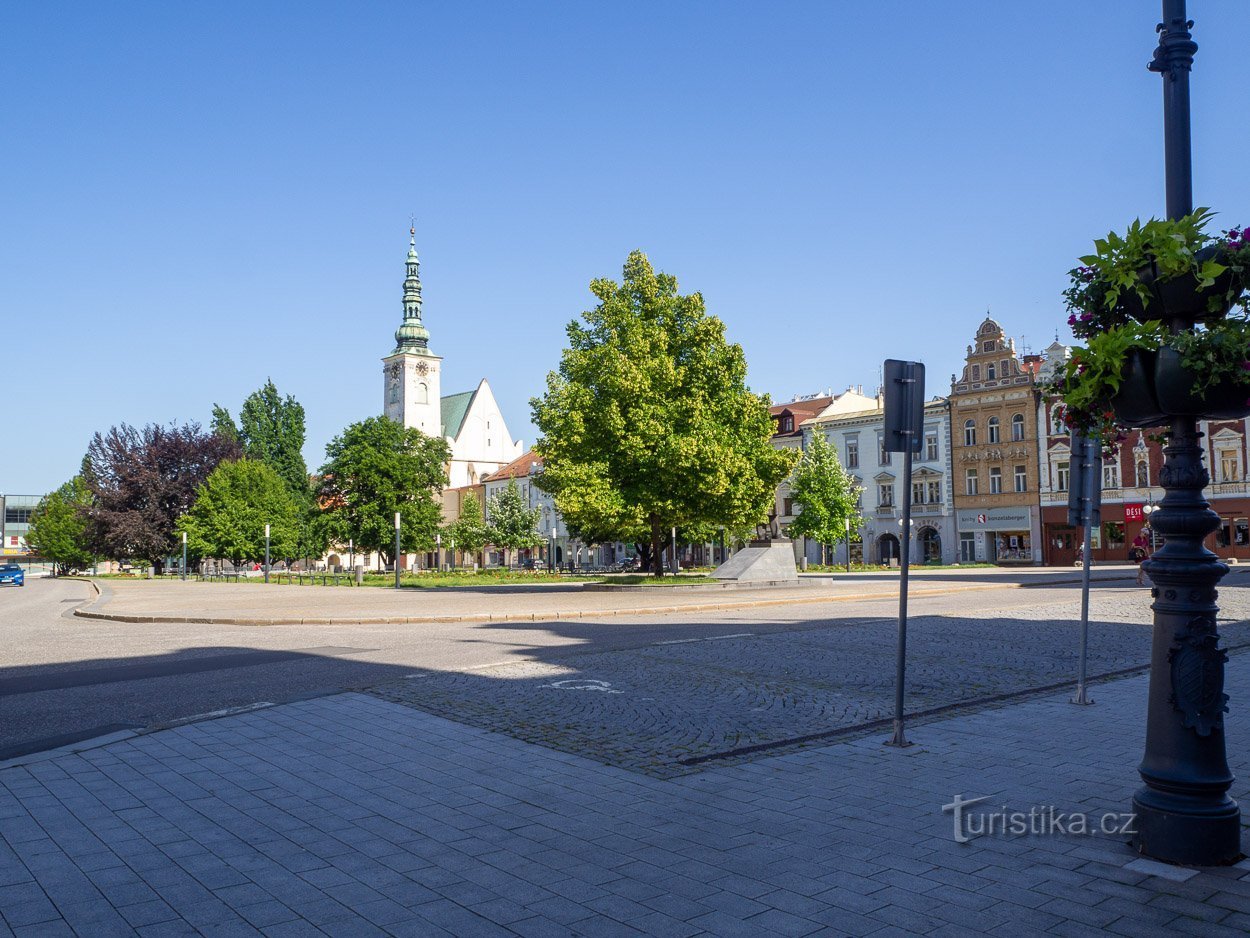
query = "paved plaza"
{"x": 350, "y": 815}
{"x": 693, "y": 773}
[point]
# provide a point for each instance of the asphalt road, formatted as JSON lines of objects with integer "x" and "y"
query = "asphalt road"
{"x": 63, "y": 679}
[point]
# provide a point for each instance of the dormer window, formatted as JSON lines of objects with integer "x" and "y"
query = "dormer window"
{"x": 787, "y": 424}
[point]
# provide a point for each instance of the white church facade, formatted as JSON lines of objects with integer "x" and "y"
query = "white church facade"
{"x": 470, "y": 421}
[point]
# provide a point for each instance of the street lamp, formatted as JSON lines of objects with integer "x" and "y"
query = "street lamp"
{"x": 1148, "y": 510}
{"x": 351, "y": 555}
{"x": 184, "y": 556}
{"x": 397, "y": 550}
{"x": 438, "y": 550}
{"x": 266, "y": 553}
{"x": 552, "y": 558}
{"x": 676, "y": 565}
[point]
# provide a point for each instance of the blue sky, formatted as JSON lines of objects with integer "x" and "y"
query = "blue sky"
{"x": 196, "y": 198}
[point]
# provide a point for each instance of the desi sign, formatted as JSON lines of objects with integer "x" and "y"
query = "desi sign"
{"x": 1133, "y": 512}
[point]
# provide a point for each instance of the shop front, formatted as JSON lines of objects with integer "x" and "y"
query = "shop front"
{"x": 1110, "y": 541}
{"x": 998, "y": 535}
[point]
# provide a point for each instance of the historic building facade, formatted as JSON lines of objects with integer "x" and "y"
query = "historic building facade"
{"x": 854, "y": 425}
{"x": 471, "y": 421}
{"x": 994, "y": 447}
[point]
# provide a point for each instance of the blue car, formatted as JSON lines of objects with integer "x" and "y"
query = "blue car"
{"x": 12, "y": 573}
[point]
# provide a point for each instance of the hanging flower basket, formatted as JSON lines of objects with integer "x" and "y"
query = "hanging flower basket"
{"x": 1135, "y": 404}
{"x": 1184, "y": 296}
{"x": 1181, "y": 392}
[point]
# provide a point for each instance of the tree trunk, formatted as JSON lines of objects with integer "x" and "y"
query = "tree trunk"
{"x": 657, "y": 553}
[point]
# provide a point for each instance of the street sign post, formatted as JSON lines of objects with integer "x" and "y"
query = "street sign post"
{"x": 904, "y": 420}
{"x": 1084, "y": 511}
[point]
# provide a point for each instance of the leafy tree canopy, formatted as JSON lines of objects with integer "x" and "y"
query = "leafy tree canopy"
{"x": 232, "y": 508}
{"x": 469, "y": 531}
{"x": 511, "y": 524}
{"x": 825, "y": 492}
{"x": 271, "y": 430}
{"x": 58, "y": 526}
{"x": 378, "y": 467}
{"x": 649, "y": 422}
{"x": 142, "y": 481}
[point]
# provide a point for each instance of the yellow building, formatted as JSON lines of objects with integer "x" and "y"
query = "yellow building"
{"x": 993, "y": 408}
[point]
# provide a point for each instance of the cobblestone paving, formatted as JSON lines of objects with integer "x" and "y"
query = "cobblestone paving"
{"x": 656, "y": 709}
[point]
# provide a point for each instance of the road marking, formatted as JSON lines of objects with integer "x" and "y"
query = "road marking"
{"x": 583, "y": 683}
{"x": 710, "y": 638}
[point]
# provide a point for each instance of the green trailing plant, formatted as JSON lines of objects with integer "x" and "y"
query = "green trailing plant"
{"x": 1157, "y": 250}
{"x": 1093, "y": 376}
{"x": 1216, "y": 354}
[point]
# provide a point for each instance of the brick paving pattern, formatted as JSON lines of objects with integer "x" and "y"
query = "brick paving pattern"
{"x": 650, "y": 709}
{"x": 350, "y": 815}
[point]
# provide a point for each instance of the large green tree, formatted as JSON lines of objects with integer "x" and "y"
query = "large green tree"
{"x": 469, "y": 531}
{"x": 826, "y": 494}
{"x": 270, "y": 430}
{"x": 378, "y": 467}
{"x": 58, "y": 526}
{"x": 231, "y": 510}
{"x": 510, "y": 523}
{"x": 649, "y": 422}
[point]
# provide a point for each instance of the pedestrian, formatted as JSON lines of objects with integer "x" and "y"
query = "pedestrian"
{"x": 1138, "y": 554}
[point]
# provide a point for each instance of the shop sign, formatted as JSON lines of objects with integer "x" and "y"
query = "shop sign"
{"x": 1133, "y": 512}
{"x": 994, "y": 519}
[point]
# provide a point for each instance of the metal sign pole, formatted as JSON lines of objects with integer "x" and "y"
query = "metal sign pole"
{"x": 909, "y": 398}
{"x": 900, "y": 666}
{"x": 1081, "y": 697}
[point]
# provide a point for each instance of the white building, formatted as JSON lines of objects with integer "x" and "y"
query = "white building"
{"x": 471, "y": 421}
{"x": 854, "y": 425}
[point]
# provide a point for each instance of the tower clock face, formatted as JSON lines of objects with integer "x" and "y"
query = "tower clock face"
{"x": 423, "y": 368}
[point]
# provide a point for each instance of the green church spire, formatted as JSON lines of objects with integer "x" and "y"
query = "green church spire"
{"x": 412, "y": 336}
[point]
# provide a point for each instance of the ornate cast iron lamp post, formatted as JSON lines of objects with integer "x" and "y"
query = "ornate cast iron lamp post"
{"x": 1184, "y": 814}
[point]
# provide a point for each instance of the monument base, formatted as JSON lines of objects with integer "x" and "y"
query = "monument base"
{"x": 770, "y": 561}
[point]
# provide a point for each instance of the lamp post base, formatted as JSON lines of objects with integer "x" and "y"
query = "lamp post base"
{"x": 1184, "y": 830}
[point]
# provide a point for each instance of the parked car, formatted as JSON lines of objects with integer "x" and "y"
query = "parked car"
{"x": 12, "y": 573}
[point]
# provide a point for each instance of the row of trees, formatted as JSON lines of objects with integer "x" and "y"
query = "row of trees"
{"x": 648, "y": 425}
{"x": 139, "y": 491}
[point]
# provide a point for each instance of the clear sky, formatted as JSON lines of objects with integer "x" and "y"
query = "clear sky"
{"x": 196, "y": 197}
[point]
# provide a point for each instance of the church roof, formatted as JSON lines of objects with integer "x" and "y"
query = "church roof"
{"x": 453, "y": 409}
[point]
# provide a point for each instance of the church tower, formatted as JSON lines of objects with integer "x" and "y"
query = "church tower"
{"x": 412, "y": 373}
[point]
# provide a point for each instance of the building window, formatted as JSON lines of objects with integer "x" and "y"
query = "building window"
{"x": 970, "y": 433}
{"x": 935, "y": 493}
{"x": 1110, "y": 476}
{"x": 423, "y": 393}
{"x": 1230, "y": 465}
{"x": 976, "y": 372}
{"x": 787, "y": 506}
{"x": 18, "y": 514}
{"x": 1143, "y": 473}
{"x": 990, "y": 374}
{"x": 970, "y": 482}
{"x": 852, "y": 453}
{"x": 1022, "y": 478}
{"x": 1017, "y": 428}
{"x": 1056, "y": 421}
{"x": 996, "y": 481}
{"x": 930, "y": 447}
{"x": 787, "y": 424}
{"x": 917, "y": 493}
{"x": 885, "y": 494}
{"x": 987, "y": 346}
{"x": 1061, "y": 476}
{"x": 993, "y": 430}
{"x": 883, "y": 454}
{"x": 1003, "y": 370}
